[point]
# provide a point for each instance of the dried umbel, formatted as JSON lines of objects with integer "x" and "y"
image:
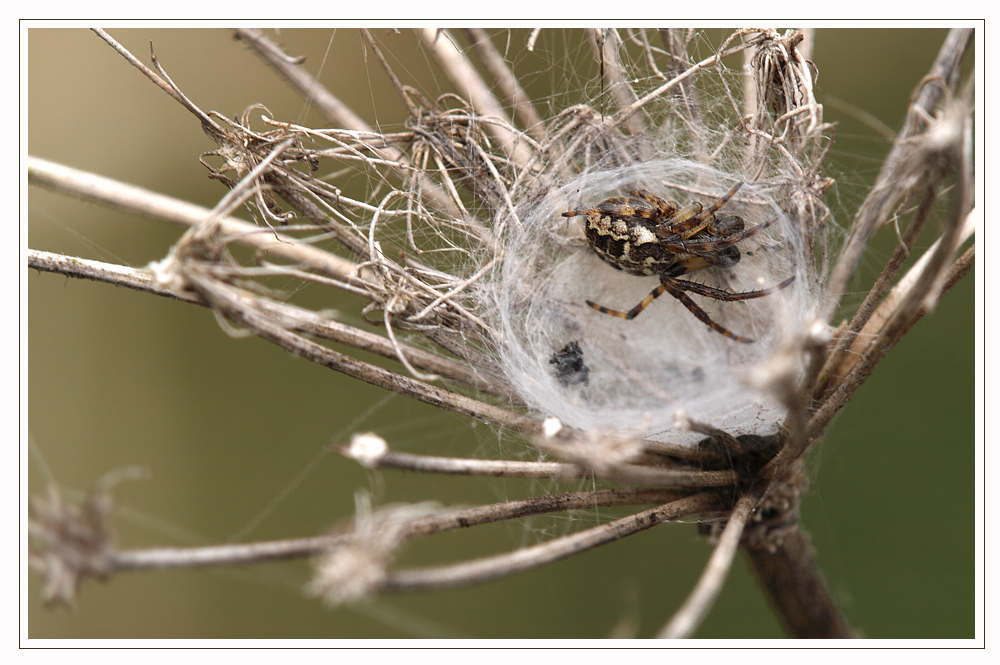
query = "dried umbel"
{"x": 639, "y": 285}
{"x": 675, "y": 353}
{"x": 524, "y": 274}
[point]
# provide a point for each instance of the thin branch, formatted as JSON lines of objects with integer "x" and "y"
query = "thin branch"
{"x": 696, "y": 607}
{"x": 299, "y": 548}
{"x": 628, "y": 473}
{"x": 490, "y": 568}
{"x": 878, "y": 319}
{"x": 465, "y": 467}
{"x": 635, "y": 474}
{"x": 808, "y": 42}
{"x": 240, "y": 310}
{"x": 164, "y": 83}
{"x": 606, "y": 45}
{"x": 690, "y": 107}
{"x": 889, "y": 186}
{"x": 649, "y": 97}
{"x": 337, "y": 112}
{"x": 470, "y": 86}
{"x": 396, "y": 83}
{"x": 498, "y": 68}
{"x": 308, "y": 86}
{"x": 107, "y": 273}
{"x": 904, "y": 308}
{"x": 782, "y": 376}
{"x": 240, "y": 554}
{"x": 849, "y": 341}
{"x": 299, "y": 319}
{"x": 119, "y": 195}
{"x": 959, "y": 269}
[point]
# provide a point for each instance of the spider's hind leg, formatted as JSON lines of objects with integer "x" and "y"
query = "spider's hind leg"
{"x": 677, "y": 287}
{"x": 700, "y": 314}
{"x": 727, "y": 296}
{"x": 635, "y": 311}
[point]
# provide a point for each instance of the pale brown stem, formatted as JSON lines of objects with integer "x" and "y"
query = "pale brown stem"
{"x": 696, "y": 607}
{"x": 490, "y": 568}
{"x": 298, "y": 548}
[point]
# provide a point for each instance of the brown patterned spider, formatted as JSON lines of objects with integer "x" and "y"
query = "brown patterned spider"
{"x": 644, "y": 235}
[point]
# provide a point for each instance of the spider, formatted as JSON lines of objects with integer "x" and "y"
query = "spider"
{"x": 644, "y": 235}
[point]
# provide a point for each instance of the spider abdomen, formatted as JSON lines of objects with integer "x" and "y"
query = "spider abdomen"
{"x": 628, "y": 243}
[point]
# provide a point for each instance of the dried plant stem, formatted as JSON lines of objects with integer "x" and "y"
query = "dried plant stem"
{"x": 490, "y": 568}
{"x": 672, "y": 83}
{"x": 786, "y": 384}
{"x": 298, "y": 548}
{"x": 162, "y": 82}
{"x": 890, "y": 186}
{"x": 337, "y": 112}
{"x": 241, "y": 554}
{"x": 538, "y": 505}
{"x": 959, "y": 269}
{"x": 696, "y": 607}
{"x": 515, "y": 96}
{"x": 554, "y": 470}
{"x": 119, "y": 195}
{"x": 920, "y": 282}
{"x": 907, "y": 304}
{"x": 849, "y": 341}
{"x": 606, "y": 46}
{"x": 108, "y": 273}
{"x": 470, "y": 86}
{"x": 471, "y": 467}
{"x": 790, "y": 575}
{"x": 240, "y": 309}
{"x": 299, "y": 319}
{"x": 919, "y": 287}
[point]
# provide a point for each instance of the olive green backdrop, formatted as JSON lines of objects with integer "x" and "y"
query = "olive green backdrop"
{"x": 231, "y": 431}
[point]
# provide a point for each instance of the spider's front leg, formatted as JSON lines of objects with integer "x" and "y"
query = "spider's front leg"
{"x": 664, "y": 209}
{"x": 677, "y": 244}
{"x": 693, "y": 220}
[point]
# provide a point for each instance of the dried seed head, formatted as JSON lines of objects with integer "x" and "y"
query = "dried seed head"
{"x": 641, "y": 370}
{"x": 358, "y": 565}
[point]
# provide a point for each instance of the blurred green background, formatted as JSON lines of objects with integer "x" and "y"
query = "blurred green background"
{"x": 232, "y": 431}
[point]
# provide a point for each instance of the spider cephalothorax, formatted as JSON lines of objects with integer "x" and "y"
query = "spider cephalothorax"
{"x": 643, "y": 234}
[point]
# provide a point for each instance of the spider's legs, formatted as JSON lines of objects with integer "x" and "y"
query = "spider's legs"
{"x": 682, "y": 223}
{"x": 677, "y": 244}
{"x": 712, "y": 209}
{"x": 691, "y": 220}
{"x": 727, "y": 296}
{"x": 701, "y": 314}
{"x": 665, "y": 208}
{"x": 677, "y": 287}
{"x": 677, "y": 292}
{"x": 635, "y": 311}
